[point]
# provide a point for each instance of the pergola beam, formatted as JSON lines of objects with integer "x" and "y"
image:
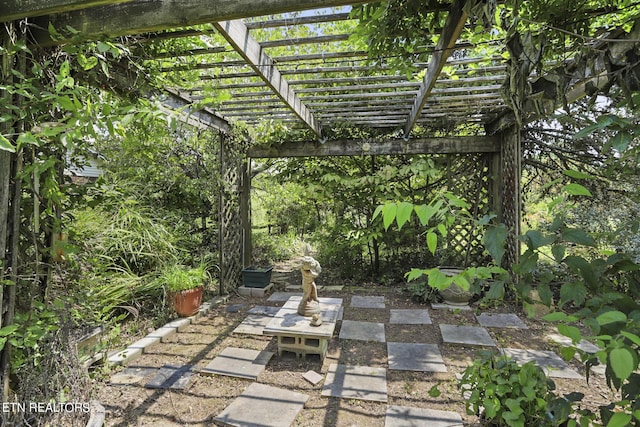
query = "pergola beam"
{"x": 237, "y": 34}
{"x": 450, "y": 33}
{"x": 204, "y": 116}
{"x": 351, "y": 147}
{"x": 18, "y": 9}
{"x": 144, "y": 16}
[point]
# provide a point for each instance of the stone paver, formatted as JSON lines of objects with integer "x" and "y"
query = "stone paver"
{"x": 282, "y": 296}
{"x": 263, "y": 405}
{"x": 403, "y": 416}
{"x": 363, "y": 331}
{"x": 263, "y": 310}
{"x": 313, "y": 377}
{"x": 356, "y": 382}
{"x": 440, "y": 306}
{"x": 238, "y": 362}
{"x": 583, "y": 345}
{"x": 131, "y": 375}
{"x": 359, "y": 301}
{"x": 253, "y": 324}
{"x": 410, "y": 317}
{"x": 415, "y": 357}
{"x": 234, "y": 308}
{"x": 552, "y": 364}
{"x": 501, "y": 320}
{"x": 171, "y": 376}
{"x": 469, "y": 335}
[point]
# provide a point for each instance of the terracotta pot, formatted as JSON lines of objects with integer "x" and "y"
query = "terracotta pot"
{"x": 186, "y": 303}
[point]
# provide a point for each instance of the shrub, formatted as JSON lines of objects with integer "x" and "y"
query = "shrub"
{"x": 504, "y": 393}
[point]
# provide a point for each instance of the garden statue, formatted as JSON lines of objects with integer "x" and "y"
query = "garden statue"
{"x": 309, "y": 305}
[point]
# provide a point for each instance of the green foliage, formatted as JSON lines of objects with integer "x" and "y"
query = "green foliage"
{"x": 438, "y": 216}
{"x": 178, "y": 278}
{"x": 111, "y": 296}
{"x": 504, "y": 393}
{"x": 601, "y": 290}
{"x": 127, "y": 236}
{"x": 28, "y": 331}
{"x": 273, "y": 247}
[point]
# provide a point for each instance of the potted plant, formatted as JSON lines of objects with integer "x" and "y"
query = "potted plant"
{"x": 184, "y": 288}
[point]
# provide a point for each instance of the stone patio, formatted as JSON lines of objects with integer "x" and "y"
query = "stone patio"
{"x": 260, "y": 404}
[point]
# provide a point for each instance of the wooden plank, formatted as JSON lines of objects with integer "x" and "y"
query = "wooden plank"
{"x": 450, "y": 33}
{"x": 143, "y": 16}
{"x": 356, "y": 147}
{"x": 11, "y": 10}
{"x": 237, "y": 34}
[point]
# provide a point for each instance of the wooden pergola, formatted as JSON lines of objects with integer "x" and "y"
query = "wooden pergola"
{"x": 312, "y": 92}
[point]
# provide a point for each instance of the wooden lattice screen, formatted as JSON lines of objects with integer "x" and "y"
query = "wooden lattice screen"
{"x": 231, "y": 240}
{"x": 469, "y": 177}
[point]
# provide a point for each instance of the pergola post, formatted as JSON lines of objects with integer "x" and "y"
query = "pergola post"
{"x": 10, "y": 195}
{"x": 245, "y": 212}
{"x": 509, "y": 198}
{"x": 230, "y": 212}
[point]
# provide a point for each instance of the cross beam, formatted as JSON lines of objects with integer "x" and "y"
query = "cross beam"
{"x": 11, "y": 10}
{"x": 237, "y": 34}
{"x": 450, "y": 33}
{"x": 398, "y": 146}
{"x": 143, "y": 16}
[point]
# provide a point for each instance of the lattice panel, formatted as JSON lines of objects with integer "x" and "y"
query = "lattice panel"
{"x": 231, "y": 158}
{"x": 468, "y": 177}
{"x": 511, "y": 172}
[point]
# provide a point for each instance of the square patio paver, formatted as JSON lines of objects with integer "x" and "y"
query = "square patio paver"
{"x": 583, "y": 345}
{"x": 171, "y": 377}
{"x": 470, "y": 335}
{"x": 410, "y": 317}
{"x": 264, "y": 310}
{"x": 238, "y": 362}
{"x": 501, "y": 320}
{"x": 403, "y": 416}
{"x": 360, "y": 301}
{"x": 356, "y": 382}
{"x": 132, "y": 375}
{"x": 263, "y": 405}
{"x": 253, "y": 324}
{"x": 415, "y": 357}
{"x": 363, "y": 331}
{"x": 552, "y": 364}
{"x": 282, "y": 296}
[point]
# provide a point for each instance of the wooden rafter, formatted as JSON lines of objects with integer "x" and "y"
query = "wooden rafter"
{"x": 142, "y": 16}
{"x": 237, "y": 34}
{"x": 183, "y": 105}
{"x": 450, "y": 33}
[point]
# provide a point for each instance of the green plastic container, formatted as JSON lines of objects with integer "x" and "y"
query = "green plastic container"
{"x": 256, "y": 277}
